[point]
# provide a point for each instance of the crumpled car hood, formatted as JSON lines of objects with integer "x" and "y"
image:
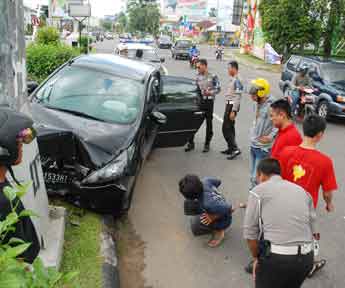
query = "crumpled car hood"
{"x": 102, "y": 141}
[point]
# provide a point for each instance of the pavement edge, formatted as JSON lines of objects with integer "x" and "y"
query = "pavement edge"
{"x": 110, "y": 271}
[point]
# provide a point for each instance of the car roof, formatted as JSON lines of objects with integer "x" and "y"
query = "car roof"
{"x": 322, "y": 60}
{"x": 116, "y": 65}
{"x": 135, "y": 46}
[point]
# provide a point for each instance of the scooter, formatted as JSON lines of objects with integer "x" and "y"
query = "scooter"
{"x": 194, "y": 59}
{"x": 219, "y": 54}
{"x": 306, "y": 104}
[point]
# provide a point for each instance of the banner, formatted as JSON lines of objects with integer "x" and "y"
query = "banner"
{"x": 190, "y": 8}
{"x": 57, "y": 8}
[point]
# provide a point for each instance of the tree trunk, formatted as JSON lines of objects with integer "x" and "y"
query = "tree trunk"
{"x": 331, "y": 26}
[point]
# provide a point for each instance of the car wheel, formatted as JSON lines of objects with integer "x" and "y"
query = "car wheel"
{"x": 322, "y": 109}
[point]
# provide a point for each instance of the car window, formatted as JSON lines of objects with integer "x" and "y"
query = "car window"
{"x": 333, "y": 73}
{"x": 183, "y": 44}
{"x": 177, "y": 91}
{"x": 293, "y": 63}
{"x": 149, "y": 55}
{"x": 93, "y": 93}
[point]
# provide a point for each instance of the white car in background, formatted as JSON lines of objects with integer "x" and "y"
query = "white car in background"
{"x": 141, "y": 52}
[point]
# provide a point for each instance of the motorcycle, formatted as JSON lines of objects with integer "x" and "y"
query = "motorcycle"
{"x": 306, "y": 104}
{"x": 194, "y": 59}
{"x": 219, "y": 54}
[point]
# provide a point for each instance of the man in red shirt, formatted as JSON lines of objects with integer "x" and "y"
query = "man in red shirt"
{"x": 288, "y": 134}
{"x": 311, "y": 169}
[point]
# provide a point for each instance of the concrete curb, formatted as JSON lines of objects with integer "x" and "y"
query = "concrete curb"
{"x": 111, "y": 277}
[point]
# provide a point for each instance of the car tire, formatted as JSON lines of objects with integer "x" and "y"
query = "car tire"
{"x": 323, "y": 109}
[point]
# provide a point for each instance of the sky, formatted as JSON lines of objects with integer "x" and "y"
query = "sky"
{"x": 99, "y": 8}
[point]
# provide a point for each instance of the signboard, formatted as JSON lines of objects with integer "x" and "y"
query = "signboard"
{"x": 194, "y": 9}
{"x": 35, "y": 21}
{"x": 79, "y": 10}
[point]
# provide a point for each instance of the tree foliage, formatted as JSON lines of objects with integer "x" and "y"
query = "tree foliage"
{"x": 48, "y": 36}
{"x": 288, "y": 24}
{"x": 144, "y": 16}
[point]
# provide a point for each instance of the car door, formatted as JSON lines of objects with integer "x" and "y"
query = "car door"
{"x": 291, "y": 68}
{"x": 179, "y": 101}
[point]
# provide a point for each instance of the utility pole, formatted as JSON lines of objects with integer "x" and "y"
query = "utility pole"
{"x": 217, "y": 24}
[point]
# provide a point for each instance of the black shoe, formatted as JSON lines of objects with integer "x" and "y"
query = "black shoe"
{"x": 189, "y": 147}
{"x": 226, "y": 152}
{"x": 249, "y": 267}
{"x": 206, "y": 149}
{"x": 234, "y": 154}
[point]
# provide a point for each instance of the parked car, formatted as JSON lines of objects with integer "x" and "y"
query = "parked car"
{"x": 109, "y": 36}
{"x": 149, "y": 54}
{"x": 181, "y": 49}
{"x": 97, "y": 119}
{"x": 164, "y": 42}
{"x": 328, "y": 77}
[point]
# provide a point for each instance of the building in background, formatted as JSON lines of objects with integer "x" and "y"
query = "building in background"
{"x": 252, "y": 39}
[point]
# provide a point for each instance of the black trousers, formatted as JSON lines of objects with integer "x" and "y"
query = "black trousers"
{"x": 207, "y": 106}
{"x": 283, "y": 271}
{"x": 228, "y": 129}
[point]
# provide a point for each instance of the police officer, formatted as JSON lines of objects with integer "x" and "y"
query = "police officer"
{"x": 279, "y": 227}
{"x": 233, "y": 100}
{"x": 209, "y": 86}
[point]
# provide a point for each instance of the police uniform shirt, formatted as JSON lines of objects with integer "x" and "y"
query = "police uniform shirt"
{"x": 208, "y": 82}
{"x": 234, "y": 93}
{"x": 287, "y": 212}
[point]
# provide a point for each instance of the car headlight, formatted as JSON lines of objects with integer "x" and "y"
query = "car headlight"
{"x": 109, "y": 172}
{"x": 341, "y": 99}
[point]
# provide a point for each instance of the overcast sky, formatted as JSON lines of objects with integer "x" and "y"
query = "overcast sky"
{"x": 99, "y": 8}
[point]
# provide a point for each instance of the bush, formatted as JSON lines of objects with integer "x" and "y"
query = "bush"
{"x": 84, "y": 41}
{"x": 14, "y": 273}
{"x": 48, "y": 36}
{"x": 42, "y": 60}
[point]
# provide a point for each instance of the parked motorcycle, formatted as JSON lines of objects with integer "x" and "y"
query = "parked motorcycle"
{"x": 306, "y": 104}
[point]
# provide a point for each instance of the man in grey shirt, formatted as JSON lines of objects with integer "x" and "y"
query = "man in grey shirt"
{"x": 279, "y": 226}
{"x": 262, "y": 133}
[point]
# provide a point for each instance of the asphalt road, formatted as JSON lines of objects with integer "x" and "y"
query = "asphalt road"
{"x": 173, "y": 257}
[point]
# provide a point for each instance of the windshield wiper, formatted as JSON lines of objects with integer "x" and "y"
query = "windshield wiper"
{"x": 77, "y": 113}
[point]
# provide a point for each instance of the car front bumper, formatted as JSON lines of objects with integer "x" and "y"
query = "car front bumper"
{"x": 337, "y": 109}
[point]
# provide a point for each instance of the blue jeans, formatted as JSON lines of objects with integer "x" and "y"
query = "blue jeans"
{"x": 256, "y": 155}
{"x": 295, "y": 97}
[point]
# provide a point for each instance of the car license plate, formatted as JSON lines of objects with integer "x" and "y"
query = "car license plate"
{"x": 56, "y": 178}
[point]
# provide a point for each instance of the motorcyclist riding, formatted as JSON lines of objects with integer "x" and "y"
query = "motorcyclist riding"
{"x": 219, "y": 52}
{"x": 193, "y": 52}
{"x": 300, "y": 81}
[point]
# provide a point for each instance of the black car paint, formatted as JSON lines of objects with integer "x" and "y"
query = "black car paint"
{"x": 73, "y": 147}
{"x": 327, "y": 92}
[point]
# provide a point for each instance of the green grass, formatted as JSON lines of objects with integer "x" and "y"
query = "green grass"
{"x": 252, "y": 60}
{"x": 82, "y": 247}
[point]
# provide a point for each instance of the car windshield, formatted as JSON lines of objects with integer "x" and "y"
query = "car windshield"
{"x": 183, "y": 44}
{"x": 333, "y": 72}
{"x": 148, "y": 54}
{"x": 165, "y": 38}
{"x": 93, "y": 94}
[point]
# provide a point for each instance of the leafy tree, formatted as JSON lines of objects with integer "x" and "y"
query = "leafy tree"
{"x": 143, "y": 16}
{"x": 288, "y": 24}
{"x": 107, "y": 25}
{"x": 122, "y": 22}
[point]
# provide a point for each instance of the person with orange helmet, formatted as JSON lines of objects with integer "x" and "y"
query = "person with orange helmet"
{"x": 263, "y": 132}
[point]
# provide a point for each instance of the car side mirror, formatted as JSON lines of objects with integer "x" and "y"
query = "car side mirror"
{"x": 162, "y": 60}
{"x": 31, "y": 86}
{"x": 158, "y": 118}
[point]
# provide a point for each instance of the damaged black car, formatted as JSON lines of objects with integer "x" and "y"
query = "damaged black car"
{"x": 98, "y": 118}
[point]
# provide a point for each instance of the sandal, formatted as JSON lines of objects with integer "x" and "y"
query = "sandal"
{"x": 216, "y": 240}
{"x": 318, "y": 265}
